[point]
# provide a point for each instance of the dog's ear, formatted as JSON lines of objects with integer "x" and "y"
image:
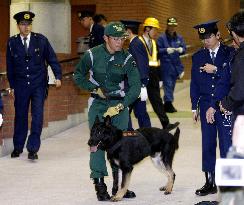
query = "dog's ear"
{"x": 107, "y": 120}
{"x": 97, "y": 120}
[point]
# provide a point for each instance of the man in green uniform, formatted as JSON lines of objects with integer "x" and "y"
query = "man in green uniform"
{"x": 108, "y": 66}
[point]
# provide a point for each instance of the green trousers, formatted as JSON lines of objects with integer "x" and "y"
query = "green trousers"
{"x": 98, "y": 108}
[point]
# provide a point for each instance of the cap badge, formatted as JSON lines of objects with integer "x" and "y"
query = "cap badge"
{"x": 201, "y": 30}
{"x": 172, "y": 20}
{"x": 27, "y": 16}
{"x": 118, "y": 28}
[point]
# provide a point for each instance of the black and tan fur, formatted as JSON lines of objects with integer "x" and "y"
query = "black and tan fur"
{"x": 125, "y": 152}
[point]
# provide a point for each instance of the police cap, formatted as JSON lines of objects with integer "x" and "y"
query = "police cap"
{"x": 172, "y": 21}
{"x": 115, "y": 29}
{"x": 85, "y": 13}
{"x": 26, "y": 16}
{"x": 205, "y": 30}
{"x": 131, "y": 23}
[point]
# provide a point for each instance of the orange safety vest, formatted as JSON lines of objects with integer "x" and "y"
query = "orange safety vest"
{"x": 153, "y": 58}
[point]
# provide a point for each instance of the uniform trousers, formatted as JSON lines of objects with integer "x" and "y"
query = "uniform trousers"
{"x": 23, "y": 97}
{"x": 140, "y": 110}
{"x": 98, "y": 108}
{"x": 154, "y": 96}
{"x": 169, "y": 82}
{"x": 209, "y": 137}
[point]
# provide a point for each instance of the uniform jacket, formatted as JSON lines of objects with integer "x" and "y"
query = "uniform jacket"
{"x": 96, "y": 35}
{"x": 139, "y": 53}
{"x": 170, "y": 63}
{"x": 109, "y": 71}
{"x": 203, "y": 84}
{"x": 223, "y": 86}
{"x": 31, "y": 69}
{"x": 235, "y": 99}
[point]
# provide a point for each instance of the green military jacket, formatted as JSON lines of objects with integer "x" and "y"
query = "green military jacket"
{"x": 109, "y": 71}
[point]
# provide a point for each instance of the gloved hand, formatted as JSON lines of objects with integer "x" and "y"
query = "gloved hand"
{"x": 1, "y": 120}
{"x": 170, "y": 50}
{"x": 143, "y": 94}
{"x": 160, "y": 84}
{"x": 181, "y": 75}
{"x": 180, "y": 50}
{"x": 99, "y": 92}
{"x": 112, "y": 111}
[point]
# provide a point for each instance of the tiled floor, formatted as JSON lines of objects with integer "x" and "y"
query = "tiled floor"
{"x": 61, "y": 175}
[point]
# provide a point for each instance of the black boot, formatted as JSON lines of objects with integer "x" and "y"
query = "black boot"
{"x": 168, "y": 106}
{"x": 128, "y": 194}
{"x": 101, "y": 189}
{"x": 15, "y": 153}
{"x": 209, "y": 187}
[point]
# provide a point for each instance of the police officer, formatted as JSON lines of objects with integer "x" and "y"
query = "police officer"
{"x": 207, "y": 67}
{"x": 1, "y": 111}
{"x": 235, "y": 100}
{"x": 110, "y": 65}
{"x": 139, "y": 53}
{"x": 170, "y": 46}
{"x": 28, "y": 54}
{"x": 151, "y": 26}
{"x": 96, "y": 30}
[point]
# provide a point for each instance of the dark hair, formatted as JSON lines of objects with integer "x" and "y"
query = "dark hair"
{"x": 236, "y": 23}
{"x": 85, "y": 13}
{"x": 99, "y": 17}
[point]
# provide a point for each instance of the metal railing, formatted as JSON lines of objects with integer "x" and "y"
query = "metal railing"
{"x": 68, "y": 75}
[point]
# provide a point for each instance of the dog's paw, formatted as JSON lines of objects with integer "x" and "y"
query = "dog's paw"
{"x": 167, "y": 192}
{"x": 163, "y": 188}
{"x": 116, "y": 198}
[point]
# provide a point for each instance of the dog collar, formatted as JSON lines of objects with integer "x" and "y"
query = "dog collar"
{"x": 130, "y": 133}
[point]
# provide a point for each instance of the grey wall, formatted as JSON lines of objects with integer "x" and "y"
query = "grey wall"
{"x": 53, "y": 19}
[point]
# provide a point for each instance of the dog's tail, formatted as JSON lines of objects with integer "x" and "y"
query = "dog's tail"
{"x": 176, "y": 138}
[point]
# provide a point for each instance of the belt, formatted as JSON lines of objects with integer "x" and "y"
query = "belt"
{"x": 96, "y": 96}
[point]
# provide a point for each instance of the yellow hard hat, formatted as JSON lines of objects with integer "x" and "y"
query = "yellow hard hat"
{"x": 153, "y": 22}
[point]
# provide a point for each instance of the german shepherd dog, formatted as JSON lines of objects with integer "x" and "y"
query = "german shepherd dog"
{"x": 125, "y": 151}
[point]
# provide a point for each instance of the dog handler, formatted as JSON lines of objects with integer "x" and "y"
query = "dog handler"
{"x": 108, "y": 65}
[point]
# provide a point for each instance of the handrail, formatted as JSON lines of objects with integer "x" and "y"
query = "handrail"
{"x": 69, "y": 59}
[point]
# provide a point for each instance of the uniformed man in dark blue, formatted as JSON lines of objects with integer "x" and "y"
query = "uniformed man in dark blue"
{"x": 139, "y": 53}
{"x": 170, "y": 46}
{"x": 28, "y": 55}
{"x": 207, "y": 67}
{"x": 96, "y": 30}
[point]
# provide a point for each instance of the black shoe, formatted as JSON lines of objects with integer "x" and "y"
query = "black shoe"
{"x": 32, "y": 155}
{"x": 101, "y": 189}
{"x": 129, "y": 194}
{"x": 206, "y": 189}
{"x": 171, "y": 126}
{"x": 168, "y": 107}
{"x": 207, "y": 203}
{"x": 15, "y": 153}
{"x": 209, "y": 187}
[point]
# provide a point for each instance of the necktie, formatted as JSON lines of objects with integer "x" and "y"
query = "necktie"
{"x": 25, "y": 45}
{"x": 150, "y": 46}
{"x": 213, "y": 56}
